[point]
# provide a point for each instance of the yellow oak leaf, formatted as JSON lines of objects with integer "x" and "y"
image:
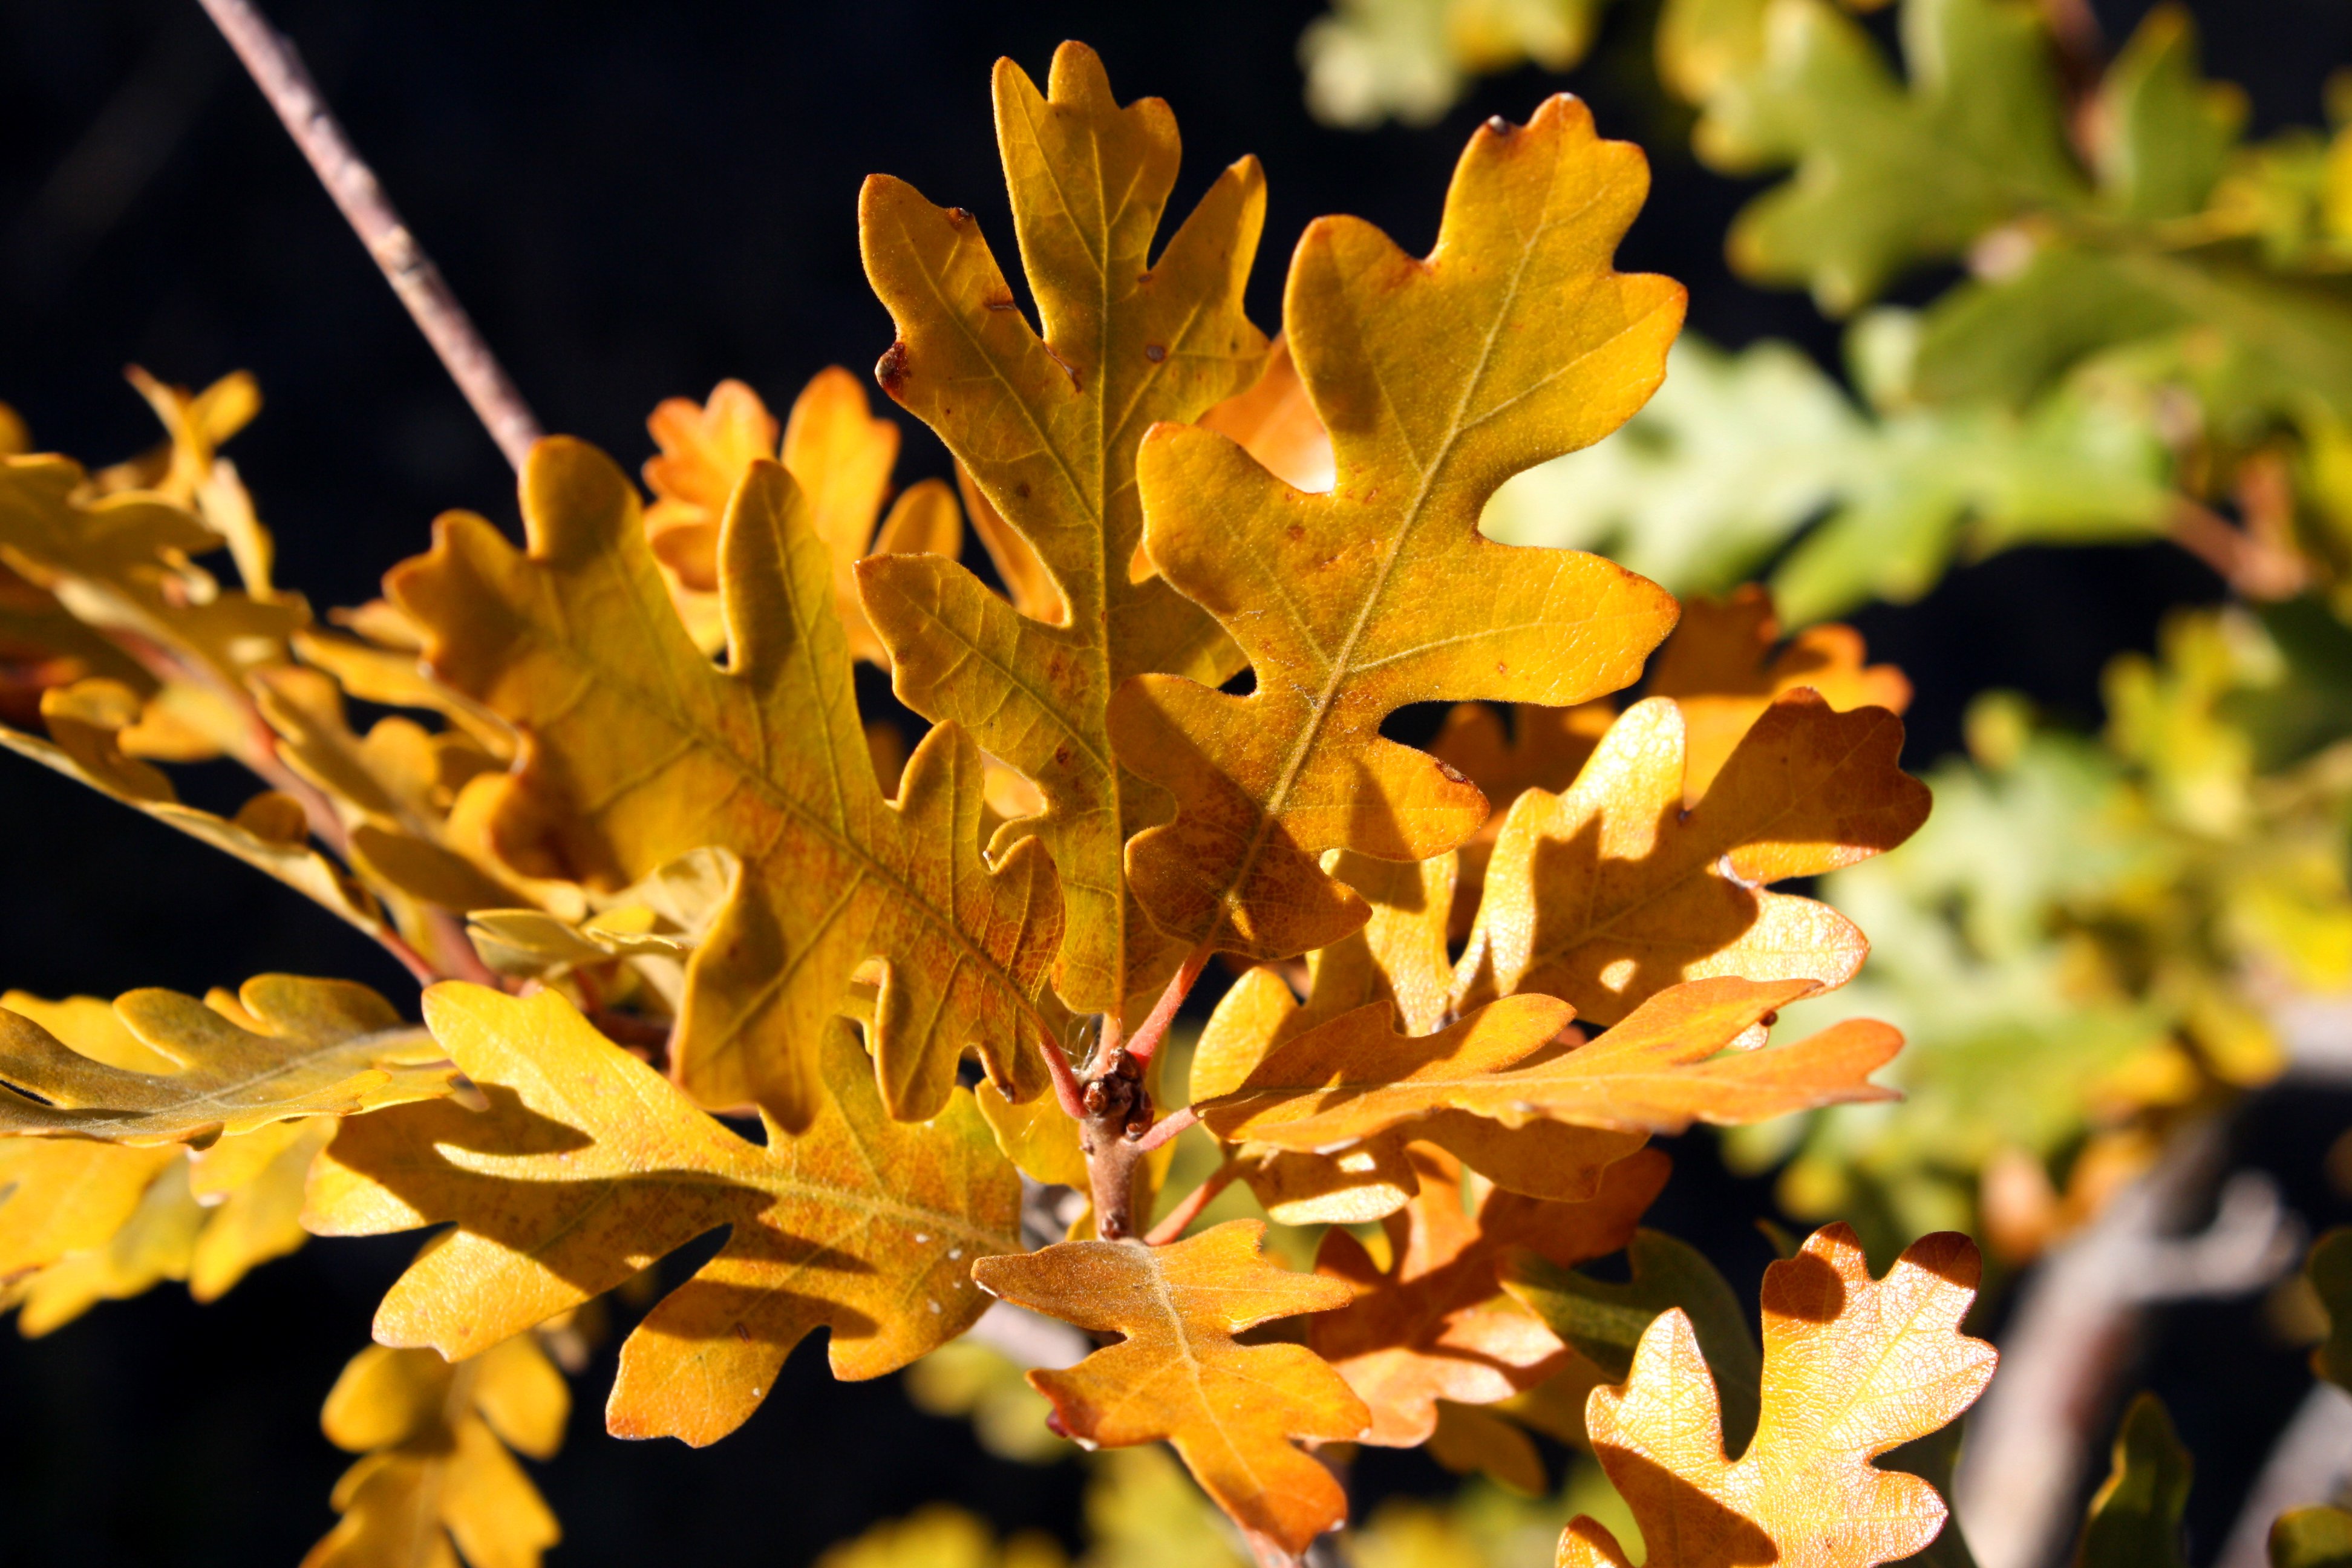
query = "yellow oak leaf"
{"x": 302, "y": 1047}
{"x": 589, "y": 1165}
{"x": 85, "y": 720}
{"x": 1229, "y": 1409}
{"x": 839, "y": 454}
{"x": 1438, "y": 378}
{"x": 1658, "y": 1070}
{"x": 1047, "y": 428}
{"x": 1853, "y": 1368}
{"x": 436, "y": 1481}
{"x": 155, "y": 1241}
{"x": 1609, "y": 893}
{"x": 121, "y": 564}
{"x": 641, "y": 748}
{"x": 1433, "y": 1324}
{"x": 1721, "y": 669}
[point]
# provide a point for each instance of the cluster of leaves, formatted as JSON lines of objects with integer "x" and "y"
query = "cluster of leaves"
{"x": 2156, "y": 329}
{"x": 654, "y": 866}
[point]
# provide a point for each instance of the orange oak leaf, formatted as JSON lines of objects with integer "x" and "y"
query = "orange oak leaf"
{"x": 1853, "y": 1368}
{"x": 1277, "y": 425}
{"x": 1609, "y": 893}
{"x": 1434, "y": 1324}
{"x": 589, "y": 1166}
{"x": 837, "y": 451}
{"x": 1229, "y": 1409}
{"x": 639, "y": 749}
{"x": 1398, "y": 957}
{"x": 1047, "y": 427}
{"x": 1721, "y": 668}
{"x": 1438, "y": 379}
{"x": 1657, "y": 1071}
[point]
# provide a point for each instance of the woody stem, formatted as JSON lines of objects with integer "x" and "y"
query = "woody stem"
{"x": 277, "y": 68}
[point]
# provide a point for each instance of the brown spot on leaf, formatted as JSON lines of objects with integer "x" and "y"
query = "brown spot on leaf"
{"x": 890, "y": 370}
{"x": 1154, "y": 353}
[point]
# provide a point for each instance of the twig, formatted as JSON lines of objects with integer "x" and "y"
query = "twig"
{"x": 270, "y": 58}
{"x": 2255, "y": 565}
{"x": 1179, "y": 1219}
{"x": 2078, "y": 1321}
{"x": 2309, "y": 1464}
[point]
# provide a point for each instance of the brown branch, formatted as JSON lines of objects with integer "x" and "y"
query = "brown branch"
{"x": 2081, "y": 1317}
{"x": 2252, "y": 561}
{"x": 270, "y": 58}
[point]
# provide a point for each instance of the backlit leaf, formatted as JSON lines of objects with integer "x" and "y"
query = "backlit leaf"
{"x": 1438, "y": 378}
{"x": 1229, "y": 1409}
{"x": 589, "y": 1165}
{"x": 1434, "y": 1324}
{"x": 1611, "y": 892}
{"x": 1046, "y": 428}
{"x": 642, "y": 750}
{"x": 1852, "y": 1367}
{"x": 1656, "y": 1071}
{"x": 837, "y": 451}
{"x": 1723, "y": 671}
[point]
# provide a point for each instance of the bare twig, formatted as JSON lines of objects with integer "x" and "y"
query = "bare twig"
{"x": 2079, "y": 1319}
{"x": 270, "y": 58}
{"x": 2252, "y": 561}
{"x": 2311, "y": 1463}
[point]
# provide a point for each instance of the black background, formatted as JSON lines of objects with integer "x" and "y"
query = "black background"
{"x": 633, "y": 201}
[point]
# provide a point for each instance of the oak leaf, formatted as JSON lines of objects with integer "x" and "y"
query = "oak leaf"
{"x": 1658, "y": 1070}
{"x": 1609, "y": 893}
{"x": 2311, "y": 1538}
{"x": 1512, "y": 343}
{"x": 589, "y": 1165}
{"x": 837, "y": 451}
{"x": 1229, "y": 1409}
{"x": 1723, "y": 671}
{"x": 1853, "y": 1368}
{"x": 1399, "y": 956}
{"x": 86, "y": 722}
{"x": 302, "y": 1047}
{"x": 1047, "y": 427}
{"x": 1432, "y": 1324}
{"x": 1603, "y": 1320}
{"x": 641, "y": 750}
{"x": 436, "y": 1481}
{"x": 2329, "y": 1271}
{"x": 2134, "y": 1521}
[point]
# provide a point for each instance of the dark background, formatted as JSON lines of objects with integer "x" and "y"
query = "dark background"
{"x": 633, "y": 201}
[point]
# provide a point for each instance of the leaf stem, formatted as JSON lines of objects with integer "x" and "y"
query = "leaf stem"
{"x": 1179, "y": 1219}
{"x": 1154, "y": 1028}
{"x": 1167, "y": 1127}
{"x": 270, "y": 58}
